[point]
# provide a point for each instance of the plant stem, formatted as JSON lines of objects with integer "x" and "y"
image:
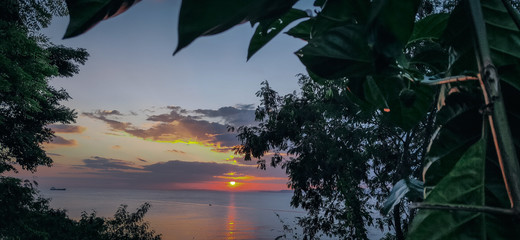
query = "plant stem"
{"x": 397, "y": 222}
{"x": 501, "y": 133}
{"x": 467, "y": 208}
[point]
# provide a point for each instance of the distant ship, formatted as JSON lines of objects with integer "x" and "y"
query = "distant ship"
{"x": 60, "y": 189}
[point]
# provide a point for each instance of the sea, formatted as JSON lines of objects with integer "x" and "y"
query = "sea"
{"x": 193, "y": 214}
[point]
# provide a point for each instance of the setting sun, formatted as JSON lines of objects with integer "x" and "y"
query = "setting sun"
{"x": 232, "y": 183}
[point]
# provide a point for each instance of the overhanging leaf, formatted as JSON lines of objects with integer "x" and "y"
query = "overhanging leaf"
{"x": 265, "y": 32}
{"x": 84, "y": 14}
{"x": 409, "y": 188}
{"x": 390, "y": 31}
{"x": 340, "y": 52}
{"x": 218, "y": 16}
{"x": 302, "y": 30}
{"x": 430, "y": 27}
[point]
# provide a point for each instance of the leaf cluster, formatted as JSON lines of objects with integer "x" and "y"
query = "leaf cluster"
{"x": 27, "y": 102}
{"x": 26, "y": 215}
{"x": 340, "y": 161}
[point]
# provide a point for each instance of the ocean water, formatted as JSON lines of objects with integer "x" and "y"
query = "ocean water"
{"x": 191, "y": 214}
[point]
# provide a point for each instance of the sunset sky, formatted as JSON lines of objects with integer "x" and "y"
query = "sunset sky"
{"x": 150, "y": 120}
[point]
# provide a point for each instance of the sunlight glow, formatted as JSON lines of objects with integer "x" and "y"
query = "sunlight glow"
{"x": 232, "y": 183}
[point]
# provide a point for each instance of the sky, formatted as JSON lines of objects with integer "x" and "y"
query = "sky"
{"x": 150, "y": 120}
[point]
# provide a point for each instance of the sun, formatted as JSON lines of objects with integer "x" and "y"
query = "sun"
{"x": 232, "y": 183}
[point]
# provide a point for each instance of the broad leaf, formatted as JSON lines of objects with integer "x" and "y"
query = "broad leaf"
{"x": 218, "y": 16}
{"x": 265, "y": 32}
{"x": 343, "y": 11}
{"x": 504, "y": 41}
{"x": 84, "y": 14}
{"x": 463, "y": 185}
{"x": 430, "y": 27}
{"x": 409, "y": 188}
{"x": 461, "y": 125}
{"x": 302, "y": 30}
{"x": 389, "y": 31}
{"x": 340, "y": 52}
{"x": 374, "y": 95}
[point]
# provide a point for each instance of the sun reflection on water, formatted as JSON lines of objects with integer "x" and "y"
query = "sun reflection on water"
{"x": 231, "y": 218}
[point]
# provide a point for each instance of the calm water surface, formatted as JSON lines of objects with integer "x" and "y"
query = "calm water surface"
{"x": 189, "y": 214}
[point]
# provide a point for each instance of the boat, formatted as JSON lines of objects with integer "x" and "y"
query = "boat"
{"x": 59, "y": 189}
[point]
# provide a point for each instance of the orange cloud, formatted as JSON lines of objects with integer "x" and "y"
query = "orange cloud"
{"x": 184, "y": 126}
{"x": 58, "y": 140}
{"x": 62, "y": 128}
{"x": 176, "y": 151}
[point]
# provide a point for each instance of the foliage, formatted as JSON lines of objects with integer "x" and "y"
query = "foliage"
{"x": 27, "y": 62}
{"x": 332, "y": 151}
{"x": 126, "y": 225}
{"x": 25, "y": 215}
{"x": 391, "y": 55}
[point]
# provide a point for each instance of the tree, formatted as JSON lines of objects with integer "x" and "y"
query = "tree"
{"x": 396, "y": 60}
{"x": 27, "y": 102}
{"x": 27, "y": 105}
{"x": 339, "y": 162}
{"x": 26, "y": 215}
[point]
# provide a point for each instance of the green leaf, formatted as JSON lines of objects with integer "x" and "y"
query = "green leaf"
{"x": 409, "y": 188}
{"x": 504, "y": 40}
{"x": 463, "y": 185}
{"x": 340, "y": 52}
{"x": 218, "y": 16}
{"x": 302, "y": 30}
{"x": 461, "y": 126}
{"x": 346, "y": 10}
{"x": 265, "y": 32}
{"x": 84, "y": 14}
{"x": 374, "y": 95}
{"x": 430, "y": 27}
{"x": 390, "y": 31}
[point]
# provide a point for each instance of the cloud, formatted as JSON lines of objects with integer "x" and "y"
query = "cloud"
{"x": 54, "y": 154}
{"x": 232, "y": 115}
{"x": 62, "y": 128}
{"x": 142, "y": 160}
{"x": 203, "y": 126}
{"x": 176, "y": 151}
{"x": 109, "y": 112}
{"x": 58, "y": 140}
{"x": 108, "y": 164}
{"x": 116, "y": 147}
{"x": 128, "y": 174}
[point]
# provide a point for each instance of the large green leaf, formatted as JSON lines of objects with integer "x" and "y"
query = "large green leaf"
{"x": 390, "y": 31}
{"x": 463, "y": 185}
{"x": 302, "y": 30}
{"x": 340, "y": 52}
{"x": 461, "y": 124}
{"x": 430, "y": 27}
{"x": 409, "y": 188}
{"x": 84, "y": 14}
{"x": 267, "y": 31}
{"x": 345, "y": 10}
{"x": 504, "y": 41}
{"x": 218, "y": 16}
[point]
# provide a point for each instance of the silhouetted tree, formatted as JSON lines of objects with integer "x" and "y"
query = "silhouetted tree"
{"x": 341, "y": 163}
{"x": 28, "y": 60}
{"x": 26, "y": 215}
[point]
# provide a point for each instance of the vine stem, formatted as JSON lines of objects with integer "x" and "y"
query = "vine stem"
{"x": 495, "y": 109}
